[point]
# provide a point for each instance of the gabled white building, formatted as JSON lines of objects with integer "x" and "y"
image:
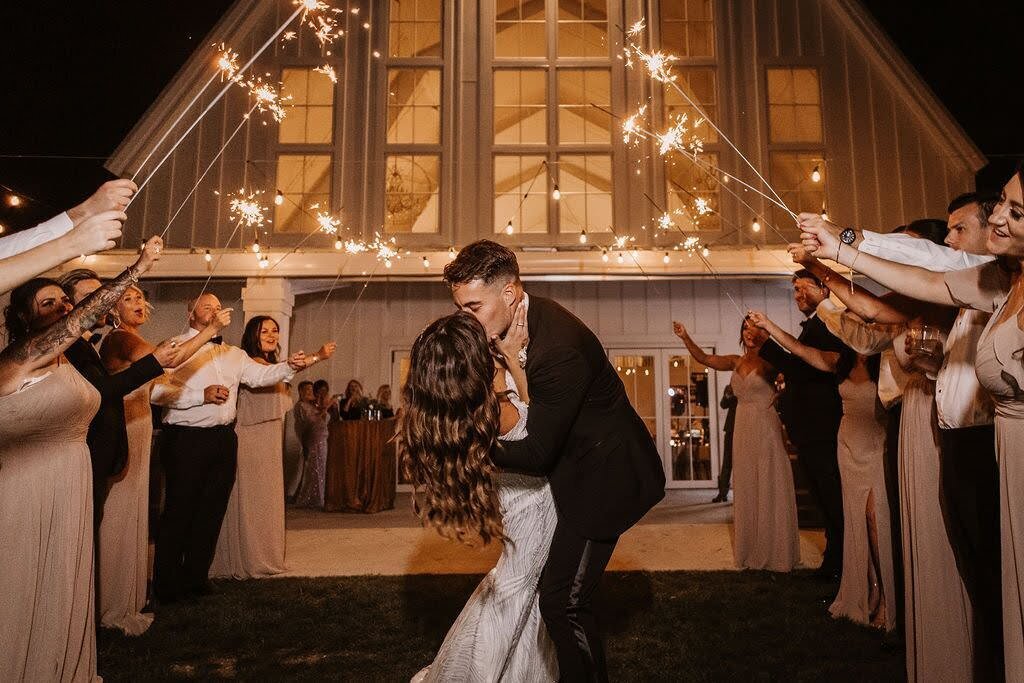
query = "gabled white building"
{"x": 452, "y": 120}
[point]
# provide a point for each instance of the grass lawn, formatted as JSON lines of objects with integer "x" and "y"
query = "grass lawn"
{"x": 668, "y": 626}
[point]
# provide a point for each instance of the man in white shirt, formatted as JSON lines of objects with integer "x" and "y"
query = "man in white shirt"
{"x": 199, "y": 450}
{"x": 969, "y": 474}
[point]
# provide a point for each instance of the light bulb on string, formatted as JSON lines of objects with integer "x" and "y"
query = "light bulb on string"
{"x": 426, "y": 262}
{"x": 666, "y": 259}
{"x": 620, "y": 258}
{"x": 705, "y": 251}
{"x": 824, "y": 213}
{"x": 508, "y": 228}
{"x": 338, "y": 244}
{"x": 556, "y": 194}
{"x": 583, "y": 236}
{"x": 256, "y": 246}
{"x": 604, "y": 255}
{"x": 451, "y": 253}
{"x": 14, "y": 200}
{"x": 756, "y": 226}
{"x": 387, "y": 263}
{"x": 208, "y": 256}
{"x": 3, "y": 228}
{"x": 264, "y": 261}
{"x": 816, "y": 175}
{"x": 279, "y": 198}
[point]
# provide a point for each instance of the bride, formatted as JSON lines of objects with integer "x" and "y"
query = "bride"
{"x": 464, "y": 393}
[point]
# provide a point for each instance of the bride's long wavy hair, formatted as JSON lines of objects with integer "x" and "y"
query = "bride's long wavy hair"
{"x": 449, "y": 430}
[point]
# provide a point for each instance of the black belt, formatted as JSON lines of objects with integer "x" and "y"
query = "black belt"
{"x": 187, "y": 428}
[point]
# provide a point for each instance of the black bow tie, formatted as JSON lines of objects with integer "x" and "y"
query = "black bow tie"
{"x": 95, "y": 339}
{"x": 216, "y": 340}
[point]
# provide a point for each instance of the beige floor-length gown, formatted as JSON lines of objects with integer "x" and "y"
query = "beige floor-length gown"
{"x": 47, "y": 594}
{"x": 862, "y": 468}
{"x": 764, "y": 500}
{"x": 939, "y": 633}
{"x": 123, "y": 564}
{"x": 252, "y": 536}
{"x": 1000, "y": 367}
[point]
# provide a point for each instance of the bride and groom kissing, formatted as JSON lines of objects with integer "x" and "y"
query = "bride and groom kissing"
{"x": 517, "y": 429}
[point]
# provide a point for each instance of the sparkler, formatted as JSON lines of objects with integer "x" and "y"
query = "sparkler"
{"x": 245, "y": 206}
{"x": 327, "y": 223}
{"x": 327, "y": 70}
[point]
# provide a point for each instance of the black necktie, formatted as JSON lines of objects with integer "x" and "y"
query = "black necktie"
{"x": 95, "y": 339}
{"x": 216, "y": 340}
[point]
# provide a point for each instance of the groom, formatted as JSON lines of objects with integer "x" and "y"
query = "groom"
{"x": 583, "y": 434}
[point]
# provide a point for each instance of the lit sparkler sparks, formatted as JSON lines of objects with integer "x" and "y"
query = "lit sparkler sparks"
{"x": 246, "y": 208}
{"x": 227, "y": 62}
{"x": 319, "y": 17}
{"x": 631, "y": 127}
{"x": 702, "y": 206}
{"x": 665, "y": 221}
{"x": 386, "y": 249}
{"x": 267, "y": 98}
{"x": 659, "y": 64}
{"x": 327, "y": 70}
{"x": 328, "y": 223}
{"x": 355, "y": 247}
{"x": 637, "y": 28}
{"x": 690, "y": 244}
{"x": 622, "y": 240}
{"x": 289, "y": 35}
{"x": 673, "y": 138}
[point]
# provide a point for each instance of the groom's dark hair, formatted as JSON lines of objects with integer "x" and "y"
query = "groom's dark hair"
{"x": 482, "y": 260}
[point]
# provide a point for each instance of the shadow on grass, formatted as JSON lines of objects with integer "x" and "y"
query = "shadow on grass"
{"x": 692, "y": 626}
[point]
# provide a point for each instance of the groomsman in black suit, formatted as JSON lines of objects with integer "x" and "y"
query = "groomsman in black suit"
{"x": 583, "y": 434}
{"x": 812, "y": 410}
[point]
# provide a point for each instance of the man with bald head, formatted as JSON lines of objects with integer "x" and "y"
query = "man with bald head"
{"x": 199, "y": 450}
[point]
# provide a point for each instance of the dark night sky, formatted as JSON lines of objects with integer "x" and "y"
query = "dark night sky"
{"x": 81, "y": 72}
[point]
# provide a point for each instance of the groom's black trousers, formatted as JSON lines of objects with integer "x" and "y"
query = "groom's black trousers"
{"x": 571, "y": 575}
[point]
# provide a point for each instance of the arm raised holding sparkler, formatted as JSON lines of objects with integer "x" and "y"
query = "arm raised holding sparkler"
{"x": 817, "y": 358}
{"x": 42, "y": 347}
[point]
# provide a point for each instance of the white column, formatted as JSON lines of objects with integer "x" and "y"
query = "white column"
{"x": 270, "y": 296}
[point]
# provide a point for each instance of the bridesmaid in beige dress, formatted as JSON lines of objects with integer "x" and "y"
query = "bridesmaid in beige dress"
{"x": 252, "y": 537}
{"x": 764, "y": 500}
{"x": 123, "y": 561}
{"x": 866, "y": 592}
{"x": 47, "y": 589}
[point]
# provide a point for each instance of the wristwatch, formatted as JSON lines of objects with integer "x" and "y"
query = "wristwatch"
{"x": 848, "y": 236}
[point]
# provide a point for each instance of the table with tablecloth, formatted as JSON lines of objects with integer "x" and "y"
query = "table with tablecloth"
{"x": 361, "y": 466}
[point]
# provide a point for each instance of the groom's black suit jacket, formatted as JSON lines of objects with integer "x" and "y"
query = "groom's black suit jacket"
{"x": 604, "y": 468}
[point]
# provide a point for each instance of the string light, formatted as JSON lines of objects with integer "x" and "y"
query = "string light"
{"x": 451, "y": 253}
{"x": 756, "y": 226}
{"x": 338, "y": 244}
{"x": 824, "y": 213}
{"x": 208, "y": 256}
{"x": 387, "y": 263}
{"x": 426, "y": 262}
{"x": 620, "y": 258}
{"x": 816, "y": 175}
{"x": 264, "y": 261}
{"x": 279, "y": 198}
{"x": 705, "y": 251}
{"x": 666, "y": 259}
{"x": 14, "y": 200}
{"x": 583, "y": 236}
{"x": 556, "y": 194}
{"x": 604, "y": 255}
{"x": 256, "y": 246}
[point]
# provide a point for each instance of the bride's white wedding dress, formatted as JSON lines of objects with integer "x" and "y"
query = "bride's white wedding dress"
{"x": 499, "y": 635}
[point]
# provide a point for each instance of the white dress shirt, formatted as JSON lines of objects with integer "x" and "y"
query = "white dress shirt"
{"x": 959, "y": 397}
{"x": 182, "y": 391}
{"x": 22, "y": 241}
{"x": 869, "y": 339}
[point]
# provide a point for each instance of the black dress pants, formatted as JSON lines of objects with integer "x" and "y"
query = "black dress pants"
{"x": 571, "y": 575}
{"x": 199, "y": 470}
{"x": 892, "y": 489}
{"x": 819, "y": 459}
{"x": 969, "y": 489}
{"x": 725, "y": 476}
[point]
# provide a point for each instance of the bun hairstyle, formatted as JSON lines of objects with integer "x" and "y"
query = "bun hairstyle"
{"x": 449, "y": 430}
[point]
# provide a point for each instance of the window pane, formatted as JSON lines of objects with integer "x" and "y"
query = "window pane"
{"x": 514, "y": 177}
{"x": 415, "y": 28}
{"x": 311, "y": 118}
{"x": 583, "y": 28}
{"x": 519, "y": 29}
{"x": 304, "y": 180}
{"x": 794, "y": 105}
{"x": 687, "y": 28}
{"x": 414, "y": 105}
{"x": 686, "y": 182}
{"x": 700, "y": 83}
{"x": 579, "y": 121}
{"x": 638, "y": 376}
{"x": 585, "y": 181}
{"x": 791, "y": 176}
{"x": 410, "y": 194}
{"x": 520, "y": 109}
{"x": 689, "y": 419}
